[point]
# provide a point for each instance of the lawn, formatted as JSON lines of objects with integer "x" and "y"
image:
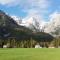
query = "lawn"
{"x": 30, "y": 54}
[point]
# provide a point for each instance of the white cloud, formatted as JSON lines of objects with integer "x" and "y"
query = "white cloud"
{"x": 31, "y": 7}
{"x": 36, "y": 7}
{"x": 39, "y": 5}
{"x": 3, "y": 2}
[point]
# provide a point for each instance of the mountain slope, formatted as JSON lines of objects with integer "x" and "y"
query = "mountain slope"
{"x": 9, "y": 27}
{"x": 34, "y": 23}
{"x": 38, "y": 25}
{"x": 53, "y": 26}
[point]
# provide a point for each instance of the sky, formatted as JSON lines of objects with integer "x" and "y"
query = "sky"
{"x": 26, "y": 8}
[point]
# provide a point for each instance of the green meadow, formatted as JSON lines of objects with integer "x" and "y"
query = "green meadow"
{"x": 29, "y": 54}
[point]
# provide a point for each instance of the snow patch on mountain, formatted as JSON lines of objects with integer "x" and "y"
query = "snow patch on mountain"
{"x": 33, "y": 22}
{"x": 17, "y": 19}
{"x": 53, "y": 23}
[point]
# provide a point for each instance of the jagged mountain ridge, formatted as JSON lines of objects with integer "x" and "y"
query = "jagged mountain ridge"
{"x": 32, "y": 22}
{"x": 52, "y": 26}
{"x": 10, "y": 28}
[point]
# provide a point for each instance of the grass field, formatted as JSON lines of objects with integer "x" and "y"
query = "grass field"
{"x": 29, "y": 54}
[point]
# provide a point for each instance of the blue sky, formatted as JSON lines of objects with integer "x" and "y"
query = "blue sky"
{"x": 25, "y": 8}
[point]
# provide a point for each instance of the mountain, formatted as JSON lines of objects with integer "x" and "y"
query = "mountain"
{"x": 34, "y": 23}
{"x": 17, "y": 19}
{"x": 53, "y": 26}
{"x": 9, "y": 28}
